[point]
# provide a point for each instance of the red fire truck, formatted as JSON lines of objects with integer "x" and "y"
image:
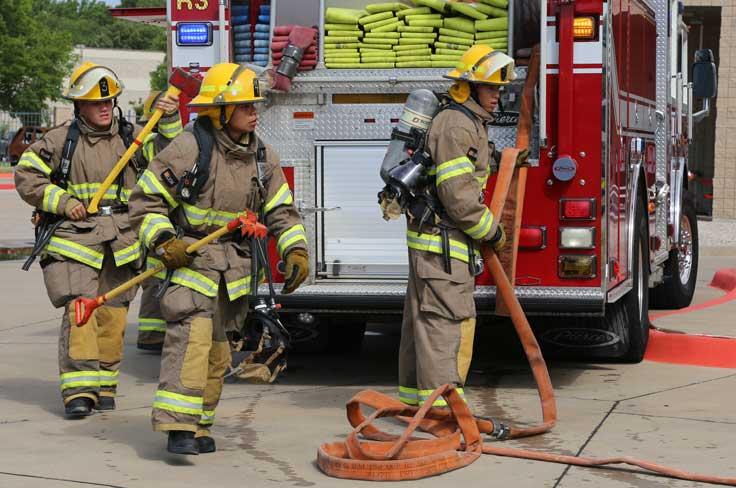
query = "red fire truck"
{"x": 608, "y": 230}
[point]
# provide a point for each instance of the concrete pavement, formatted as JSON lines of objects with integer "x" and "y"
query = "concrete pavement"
{"x": 268, "y": 435}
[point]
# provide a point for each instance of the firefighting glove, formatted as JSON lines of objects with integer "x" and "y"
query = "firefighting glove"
{"x": 74, "y": 210}
{"x": 522, "y": 157}
{"x": 499, "y": 239}
{"x": 173, "y": 253}
{"x": 297, "y": 270}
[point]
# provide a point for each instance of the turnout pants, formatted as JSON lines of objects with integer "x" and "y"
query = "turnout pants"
{"x": 437, "y": 329}
{"x": 89, "y": 356}
{"x": 151, "y": 324}
{"x": 195, "y": 356}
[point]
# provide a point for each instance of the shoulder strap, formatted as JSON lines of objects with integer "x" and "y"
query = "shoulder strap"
{"x": 60, "y": 176}
{"x": 453, "y": 105}
{"x": 261, "y": 160}
{"x": 191, "y": 184}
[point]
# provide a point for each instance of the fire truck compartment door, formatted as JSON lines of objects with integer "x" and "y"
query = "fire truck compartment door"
{"x": 355, "y": 241}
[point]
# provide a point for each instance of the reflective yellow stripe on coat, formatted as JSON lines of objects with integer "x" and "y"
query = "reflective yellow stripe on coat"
{"x": 154, "y": 223}
{"x": 75, "y": 251}
{"x": 453, "y": 168}
{"x": 282, "y": 197}
{"x": 432, "y": 243}
{"x": 29, "y": 159}
{"x": 291, "y": 236}
{"x": 207, "y": 216}
{"x": 51, "y": 197}
{"x": 188, "y": 278}
{"x": 128, "y": 254}
{"x": 151, "y": 186}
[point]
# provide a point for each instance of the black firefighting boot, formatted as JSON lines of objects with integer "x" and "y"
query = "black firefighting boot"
{"x": 79, "y": 407}
{"x": 206, "y": 444}
{"x": 182, "y": 442}
{"x": 106, "y": 403}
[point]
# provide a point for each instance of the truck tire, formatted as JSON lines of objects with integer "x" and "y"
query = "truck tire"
{"x": 622, "y": 333}
{"x": 681, "y": 268}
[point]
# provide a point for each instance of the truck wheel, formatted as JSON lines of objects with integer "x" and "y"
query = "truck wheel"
{"x": 681, "y": 268}
{"x": 628, "y": 318}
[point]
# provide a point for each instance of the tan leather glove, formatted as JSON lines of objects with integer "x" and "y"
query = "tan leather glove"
{"x": 499, "y": 240}
{"x": 297, "y": 270}
{"x": 173, "y": 253}
{"x": 74, "y": 210}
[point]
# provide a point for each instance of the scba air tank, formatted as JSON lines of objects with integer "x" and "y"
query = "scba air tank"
{"x": 420, "y": 108}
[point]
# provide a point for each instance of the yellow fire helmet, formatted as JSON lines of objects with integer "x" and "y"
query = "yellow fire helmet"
{"x": 224, "y": 86}
{"x": 92, "y": 82}
{"x": 480, "y": 64}
{"x": 150, "y": 104}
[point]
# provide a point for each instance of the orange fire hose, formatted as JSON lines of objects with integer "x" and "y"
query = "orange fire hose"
{"x": 457, "y": 441}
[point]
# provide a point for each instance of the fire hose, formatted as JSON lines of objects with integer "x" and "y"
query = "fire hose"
{"x": 457, "y": 442}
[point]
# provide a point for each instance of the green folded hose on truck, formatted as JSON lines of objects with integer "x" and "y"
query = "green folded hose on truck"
{"x": 342, "y": 45}
{"x": 414, "y": 64}
{"x": 493, "y": 11}
{"x": 450, "y": 45}
{"x": 496, "y": 3}
{"x": 385, "y": 47}
{"x": 388, "y": 28}
{"x": 468, "y": 10}
{"x": 369, "y": 19}
{"x": 375, "y": 8}
{"x": 455, "y": 33}
{"x": 456, "y": 40}
{"x": 418, "y": 35}
{"x": 343, "y": 15}
{"x": 414, "y": 52}
{"x": 359, "y": 65}
{"x": 382, "y": 35}
{"x": 409, "y": 28}
{"x": 459, "y": 23}
{"x": 413, "y": 11}
{"x": 425, "y": 22}
{"x": 380, "y": 23}
{"x": 492, "y": 24}
{"x": 500, "y": 34}
{"x": 409, "y": 47}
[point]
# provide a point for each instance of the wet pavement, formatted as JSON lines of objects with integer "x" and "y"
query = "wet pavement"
{"x": 268, "y": 435}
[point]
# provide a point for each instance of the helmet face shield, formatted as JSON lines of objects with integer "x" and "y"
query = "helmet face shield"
{"x": 483, "y": 64}
{"x": 95, "y": 84}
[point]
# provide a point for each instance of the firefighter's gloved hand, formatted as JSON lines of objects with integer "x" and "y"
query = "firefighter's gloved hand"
{"x": 173, "y": 253}
{"x": 74, "y": 210}
{"x": 499, "y": 239}
{"x": 522, "y": 157}
{"x": 169, "y": 104}
{"x": 297, "y": 270}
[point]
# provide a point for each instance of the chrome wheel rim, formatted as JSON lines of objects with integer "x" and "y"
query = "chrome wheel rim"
{"x": 685, "y": 250}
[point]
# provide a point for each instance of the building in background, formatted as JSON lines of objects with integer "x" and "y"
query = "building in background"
{"x": 712, "y": 157}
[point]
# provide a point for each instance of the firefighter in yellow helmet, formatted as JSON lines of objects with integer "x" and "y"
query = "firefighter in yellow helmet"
{"x": 439, "y": 309}
{"x": 151, "y": 324}
{"x": 86, "y": 254}
{"x": 235, "y": 171}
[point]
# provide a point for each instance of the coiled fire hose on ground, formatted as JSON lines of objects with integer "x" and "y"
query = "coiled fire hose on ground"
{"x": 457, "y": 441}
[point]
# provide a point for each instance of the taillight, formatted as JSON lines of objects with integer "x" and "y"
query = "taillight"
{"x": 584, "y": 29}
{"x": 577, "y": 209}
{"x": 577, "y": 238}
{"x": 576, "y": 266}
{"x": 533, "y": 237}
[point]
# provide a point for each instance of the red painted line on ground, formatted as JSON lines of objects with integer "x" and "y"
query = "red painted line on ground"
{"x": 7, "y": 186}
{"x": 696, "y": 349}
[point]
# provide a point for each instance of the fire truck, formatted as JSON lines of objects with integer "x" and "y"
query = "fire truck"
{"x": 608, "y": 230}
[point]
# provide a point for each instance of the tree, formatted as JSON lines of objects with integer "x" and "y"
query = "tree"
{"x": 34, "y": 58}
{"x": 160, "y": 76}
{"x": 90, "y": 24}
{"x": 142, "y": 3}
